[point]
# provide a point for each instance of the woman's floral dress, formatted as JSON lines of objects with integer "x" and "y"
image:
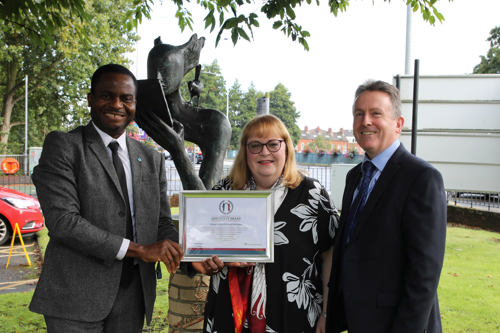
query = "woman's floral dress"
{"x": 304, "y": 226}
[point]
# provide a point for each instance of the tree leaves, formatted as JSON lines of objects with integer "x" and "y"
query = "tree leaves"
{"x": 283, "y": 107}
{"x": 281, "y": 12}
{"x": 491, "y": 62}
{"x": 59, "y": 69}
{"x": 283, "y": 15}
{"x": 60, "y": 42}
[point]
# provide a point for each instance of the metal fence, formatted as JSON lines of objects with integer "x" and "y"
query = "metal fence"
{"x": 174, "y": 184}
{"x": 482, "y": 200}
{"x": 21, "y": 159}
{"x": 19, "y": 180}
{"x": 321, "y": 173}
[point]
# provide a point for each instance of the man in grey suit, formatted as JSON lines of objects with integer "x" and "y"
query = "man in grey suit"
{"x": 390, "y": 247}
{"x": 108, "y": 217}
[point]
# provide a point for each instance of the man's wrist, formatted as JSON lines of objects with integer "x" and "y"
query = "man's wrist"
{"x": 122, "y": 252}
{"x": 135, "y": 250}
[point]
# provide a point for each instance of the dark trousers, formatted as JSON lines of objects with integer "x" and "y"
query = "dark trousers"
{"x": 127, "y": 314}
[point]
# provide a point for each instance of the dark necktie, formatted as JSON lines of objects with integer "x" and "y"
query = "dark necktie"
{"x": 359, "y": 202}
{"x": 120, "y": 171}
{"x": 128, "y": 263}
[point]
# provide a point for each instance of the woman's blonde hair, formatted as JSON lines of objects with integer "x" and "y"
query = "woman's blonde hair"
{"x": 262, "y": 126}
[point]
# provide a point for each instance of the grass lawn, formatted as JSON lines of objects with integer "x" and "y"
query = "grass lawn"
{"x": 469, "y": 290}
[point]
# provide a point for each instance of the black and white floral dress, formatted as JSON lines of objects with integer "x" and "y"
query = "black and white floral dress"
{"x": 304, "y": 226}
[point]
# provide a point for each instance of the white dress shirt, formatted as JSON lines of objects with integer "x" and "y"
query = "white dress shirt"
{"x": 124, "y": 157}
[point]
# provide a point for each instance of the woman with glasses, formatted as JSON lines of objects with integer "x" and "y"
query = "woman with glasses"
{"x": 288, "y": 294}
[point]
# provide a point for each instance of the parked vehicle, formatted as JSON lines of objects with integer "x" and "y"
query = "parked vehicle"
{"x": 20, "y": 208}
{"x": 191, "y": 156}
{"x": 199, "y": 158}
{"x": 166, "y": 154}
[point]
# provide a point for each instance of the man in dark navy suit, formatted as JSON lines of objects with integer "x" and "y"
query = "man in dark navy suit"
{"x": 389, "y": 250}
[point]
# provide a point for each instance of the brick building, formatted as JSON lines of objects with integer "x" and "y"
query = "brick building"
{"x": 341, "y": 142}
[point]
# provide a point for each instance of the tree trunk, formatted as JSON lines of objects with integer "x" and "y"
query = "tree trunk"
{"x": 8, "y": 104}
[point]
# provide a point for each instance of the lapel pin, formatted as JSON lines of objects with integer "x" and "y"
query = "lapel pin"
{"x": 139, "y": 159}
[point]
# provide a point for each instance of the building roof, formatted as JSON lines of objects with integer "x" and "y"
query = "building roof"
{"x": 341, "y": 135}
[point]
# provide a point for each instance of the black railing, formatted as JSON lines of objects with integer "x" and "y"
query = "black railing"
{"x": 19, "y": 183}
{"x": 474, "y": 199}
{"x": 321, "y": 173}
{"x": 15, "y": 174}
{"x": 481, "y": 200}
{"x": 174, "y": 184}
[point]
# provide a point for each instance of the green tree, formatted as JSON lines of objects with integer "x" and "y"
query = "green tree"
{"x": 242, "y": 105}
{"x": 58, "y": 71}
{"x": 318, "y": 144}
{"x": 52, "y": 15}
{"x": 491, "y": 62}
{"x": 283, "y": 107}
{"x": 213, "y": 94}
{"x": 227, "y": 15}
{"x": 242, "y": 108}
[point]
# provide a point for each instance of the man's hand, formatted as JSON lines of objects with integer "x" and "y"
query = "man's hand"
{"x": 165, "y": 250}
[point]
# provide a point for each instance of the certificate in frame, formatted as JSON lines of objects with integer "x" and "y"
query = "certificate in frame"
{"x": 237, "y": 226}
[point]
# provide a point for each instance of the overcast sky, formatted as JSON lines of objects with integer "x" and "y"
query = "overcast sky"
{"x": 366, "y": 42}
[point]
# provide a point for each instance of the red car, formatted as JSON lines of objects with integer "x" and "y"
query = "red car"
{"x": 199, "y": 157}
{"x": 20, "y": 208}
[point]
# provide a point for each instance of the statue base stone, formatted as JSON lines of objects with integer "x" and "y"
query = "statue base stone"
{"x": 187, "y": 298}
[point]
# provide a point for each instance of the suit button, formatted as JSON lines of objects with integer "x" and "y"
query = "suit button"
{"x": 121, "y": 214}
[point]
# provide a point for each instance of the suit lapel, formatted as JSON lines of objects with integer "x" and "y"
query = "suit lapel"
{"x": 95, "y": 144}
{"x": 352, "y": 181}
{"x": 135, "y": 155}
{"x": 383, "y": 182}
{"x": 350, "y": 188}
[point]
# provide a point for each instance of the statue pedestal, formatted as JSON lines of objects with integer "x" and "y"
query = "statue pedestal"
{"x": 187, "y": 298}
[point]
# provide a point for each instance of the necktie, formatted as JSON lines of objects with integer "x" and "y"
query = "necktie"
{"x": 359, "y": 201}
{"x": 128, "y": 263}
{"x": 120, "y": 171}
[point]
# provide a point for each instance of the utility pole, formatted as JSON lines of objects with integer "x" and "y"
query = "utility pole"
{"x": 26, "y": 124}
{"x": 408, "y": 39}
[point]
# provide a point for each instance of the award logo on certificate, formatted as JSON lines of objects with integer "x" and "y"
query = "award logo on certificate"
{"x": 237, "y": 226}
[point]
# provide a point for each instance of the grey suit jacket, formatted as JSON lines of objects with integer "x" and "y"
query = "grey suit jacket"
{"x": 392, "y": 265}
{"x": 84, "y": 210}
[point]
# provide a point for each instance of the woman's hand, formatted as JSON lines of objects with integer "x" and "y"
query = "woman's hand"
{"x": 209, "y": 266}
{"x": 240, "y": 264}
{"x": 213, "y": 265}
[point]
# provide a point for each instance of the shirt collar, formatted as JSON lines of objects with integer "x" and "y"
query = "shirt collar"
{"x": 106, "y": 138}
{"x": 381, "y": 159}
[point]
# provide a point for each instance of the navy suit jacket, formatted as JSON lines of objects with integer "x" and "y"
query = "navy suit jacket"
{"x": 85, "y": 210}
{"x": 392, "y": 265}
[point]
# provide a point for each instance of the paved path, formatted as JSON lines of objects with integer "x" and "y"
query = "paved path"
{"x": 18, "y": 277}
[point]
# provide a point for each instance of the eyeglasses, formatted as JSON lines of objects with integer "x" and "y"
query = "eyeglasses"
{"x": 255, "y": 147}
